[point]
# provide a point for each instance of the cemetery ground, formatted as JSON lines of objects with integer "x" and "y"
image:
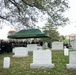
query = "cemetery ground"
{"x": 21, "y": 66}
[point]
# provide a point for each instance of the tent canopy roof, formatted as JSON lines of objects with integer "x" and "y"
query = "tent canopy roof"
{"x": 29, "y": 33}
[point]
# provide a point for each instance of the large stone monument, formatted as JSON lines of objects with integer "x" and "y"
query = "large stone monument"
{"x": 42, "y": 59}
{"x": 72, "y": 60}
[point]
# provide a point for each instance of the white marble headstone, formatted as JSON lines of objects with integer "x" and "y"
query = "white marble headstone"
{"x": 39, "y": 48}
{"x": 42, "y": 59}
{"x": 73, "y": 44}
{"x": 20, "y": 52}
{"x": 17, "y": 48}
{"x": 32, "y": 47}
{"x": 45, "y": 45}
{"x": 13, "y": 51}
{"x": 6, "y": 62}
{"x": 66, "y": 51}
{"x": 57, "y": 45}
{"x": 72, "y": 60}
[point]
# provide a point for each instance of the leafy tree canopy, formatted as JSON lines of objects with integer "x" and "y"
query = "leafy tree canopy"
{"x": 25, "y": 13}
{"x": 51, "y": 30}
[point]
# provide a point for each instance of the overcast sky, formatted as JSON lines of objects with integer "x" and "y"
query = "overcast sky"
{"x": 66, "y": 30}
{"x": 71, "y": 13}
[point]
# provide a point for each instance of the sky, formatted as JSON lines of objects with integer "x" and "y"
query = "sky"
{"x": 71, "y": 13}
{"x": 4, "y": 32}
{"x": 66, "y": 30}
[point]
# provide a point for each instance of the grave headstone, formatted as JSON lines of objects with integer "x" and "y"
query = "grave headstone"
{"x": 32, "y": 47}
{"x": 73, "y": 44}
{"x": 13, "y": 51}
{"x": 66, "y": 51}
{"x": 6, "y": 62}
{"x": 57, "y": 45}
{"x": 20, "y": 52}
{"x": 45, "y": 45}
{"x": 42, "y": 59}
{"x": 72, "y": 60}
{"x": 39, "y": 48}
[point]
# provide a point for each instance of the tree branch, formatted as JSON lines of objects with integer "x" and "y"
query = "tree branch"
{"x": 2, "y": 17}
{"x": 15, "y": 4}
{"x": 31, "y": 5}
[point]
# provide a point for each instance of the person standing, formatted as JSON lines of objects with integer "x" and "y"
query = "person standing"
{"x": 2, "y": 46}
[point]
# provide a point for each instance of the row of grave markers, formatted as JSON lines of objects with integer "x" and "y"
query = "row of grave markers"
{"x": 43, "y": 59}
{"x": 55, "y": 46}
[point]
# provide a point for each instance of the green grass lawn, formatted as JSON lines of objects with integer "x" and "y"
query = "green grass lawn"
{"x": 21, "y": 66}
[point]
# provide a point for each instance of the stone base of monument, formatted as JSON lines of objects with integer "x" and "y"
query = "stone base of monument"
{"x": 41, "y": 66}
{"x": 71, "y": 66}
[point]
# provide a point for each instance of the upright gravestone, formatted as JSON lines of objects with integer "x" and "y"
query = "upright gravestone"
{"x": 39, "y": 47}
{"x": 72, "y": 60}
{"x": 66, "y": 51}
{"x": 45, "y": 45}
{"x": 6, "y": 62}
{"x": 20, "y": 52}
{"x": 57, "y": 45}
{"x": 13, "y": 51}
{"x": 32, "y": 47}
{"x": 73, "y": 44}
{"x": 42, "y": 59}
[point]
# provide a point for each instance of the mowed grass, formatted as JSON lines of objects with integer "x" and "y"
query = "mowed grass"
{"x": 21, "y": 66}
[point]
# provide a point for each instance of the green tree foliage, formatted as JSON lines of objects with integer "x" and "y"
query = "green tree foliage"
{"x": 51, "y": 30}
{"x": 25, "y": 13}
{"x": 62, "y": 38}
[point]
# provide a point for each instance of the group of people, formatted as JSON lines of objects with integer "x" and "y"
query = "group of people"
{"x": 67, "y": 45}
{"x": 7, "y": 46}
